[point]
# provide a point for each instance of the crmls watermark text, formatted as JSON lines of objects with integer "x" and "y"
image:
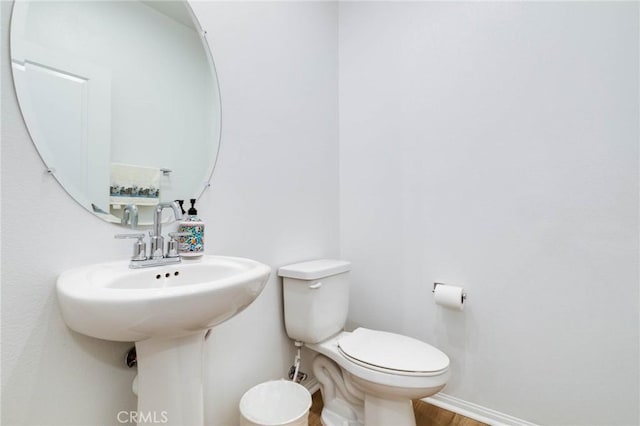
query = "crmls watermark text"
{"x": 149, "y": 417}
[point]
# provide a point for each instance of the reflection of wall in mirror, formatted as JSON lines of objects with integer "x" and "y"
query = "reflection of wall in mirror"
{"x": 70, "y": 102}
{"x": 158, "y": 72}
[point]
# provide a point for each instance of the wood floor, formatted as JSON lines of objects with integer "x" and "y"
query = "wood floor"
{"x": 426, "y": 415}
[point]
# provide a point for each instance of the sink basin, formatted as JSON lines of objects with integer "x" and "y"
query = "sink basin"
{"x": 113, "y": 302}
{"x": 166, "y": 311}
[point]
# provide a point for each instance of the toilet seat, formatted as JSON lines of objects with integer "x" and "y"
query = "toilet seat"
{"x": 415, "y": 382}
{"x": 392, "y": 353}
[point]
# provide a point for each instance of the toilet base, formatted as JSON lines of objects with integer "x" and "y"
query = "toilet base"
{"x": 377, "y": 412}
{"x": 339, "y": 413}
{"x": 385, "y": 412}
{"x": 345, "y": 403}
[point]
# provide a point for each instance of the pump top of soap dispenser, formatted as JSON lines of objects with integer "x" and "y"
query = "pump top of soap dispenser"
{"x": 192, "y": 210}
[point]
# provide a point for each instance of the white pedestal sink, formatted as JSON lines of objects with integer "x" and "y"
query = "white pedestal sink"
{"x": 166, "y": 310}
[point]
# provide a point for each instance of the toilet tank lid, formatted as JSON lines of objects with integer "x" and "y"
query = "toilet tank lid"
{"x": 314, "y": 269}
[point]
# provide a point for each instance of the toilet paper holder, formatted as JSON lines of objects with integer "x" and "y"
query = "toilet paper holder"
{"x": 464, "y": 294}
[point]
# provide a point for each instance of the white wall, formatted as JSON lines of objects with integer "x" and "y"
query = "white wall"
{"x": 495, "y": 146}
{"x": 275, "y": 195}
{"x": 274, "y": 199}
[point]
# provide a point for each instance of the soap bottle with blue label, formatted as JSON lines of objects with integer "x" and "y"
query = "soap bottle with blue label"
{"x": 192, "y": 245}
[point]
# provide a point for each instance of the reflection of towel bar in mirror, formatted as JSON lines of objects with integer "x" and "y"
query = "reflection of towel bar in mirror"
{"x": 139, "y": 201}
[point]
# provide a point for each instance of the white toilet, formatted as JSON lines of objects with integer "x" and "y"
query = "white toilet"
{"x": 367, "y": 377}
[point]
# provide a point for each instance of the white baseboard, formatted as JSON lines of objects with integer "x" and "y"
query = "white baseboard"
{"x": 474, "y": 411}
{"x": 311, "y": 384}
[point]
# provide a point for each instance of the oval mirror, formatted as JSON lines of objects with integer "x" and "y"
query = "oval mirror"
{"x": 120, "y": 98}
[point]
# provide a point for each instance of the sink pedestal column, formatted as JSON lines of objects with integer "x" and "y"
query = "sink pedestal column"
{"x": 170, "y": 380}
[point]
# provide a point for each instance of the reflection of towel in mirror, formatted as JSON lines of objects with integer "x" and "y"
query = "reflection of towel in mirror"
{"x": 137, "y": 184}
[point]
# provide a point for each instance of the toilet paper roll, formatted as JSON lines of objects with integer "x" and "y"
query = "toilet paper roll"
{"x": 449, "y": 296}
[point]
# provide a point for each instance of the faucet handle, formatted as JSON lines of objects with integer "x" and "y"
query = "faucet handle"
{"x": 172, "y": 248}
{"x": 139, "y": 247}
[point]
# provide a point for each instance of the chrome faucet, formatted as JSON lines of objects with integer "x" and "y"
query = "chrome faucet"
{"x": 157, "y": 255}
{"x": 157, "y": 240}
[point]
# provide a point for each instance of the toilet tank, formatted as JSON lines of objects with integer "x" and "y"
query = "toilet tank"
{"x": 316, "y": 298}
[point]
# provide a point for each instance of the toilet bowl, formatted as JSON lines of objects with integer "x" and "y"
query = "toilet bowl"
{"x": 386, "y": 371}
{"x": 367, "y": 377}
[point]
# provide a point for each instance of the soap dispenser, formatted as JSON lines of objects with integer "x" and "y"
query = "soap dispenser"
{"x": 192, "y": 245}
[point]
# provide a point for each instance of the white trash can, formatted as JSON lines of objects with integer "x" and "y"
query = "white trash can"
{"x": 275, "y": 403}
